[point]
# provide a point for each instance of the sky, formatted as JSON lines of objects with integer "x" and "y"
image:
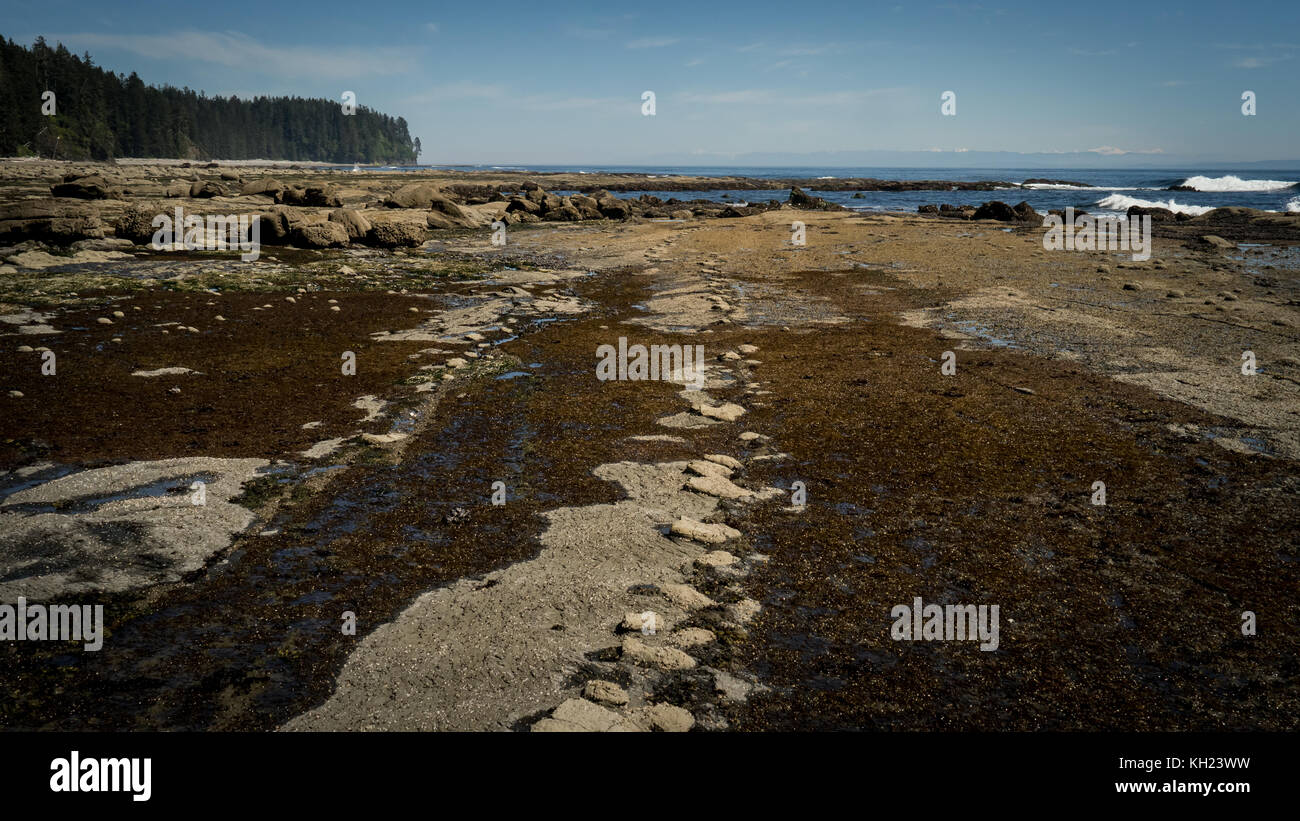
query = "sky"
{"x": 562, "y": 83}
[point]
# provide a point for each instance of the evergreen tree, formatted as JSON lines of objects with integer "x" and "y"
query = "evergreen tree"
{"x": 101, "y": 115}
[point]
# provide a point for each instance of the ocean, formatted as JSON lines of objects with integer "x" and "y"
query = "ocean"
{"x": 1115, "y": 190}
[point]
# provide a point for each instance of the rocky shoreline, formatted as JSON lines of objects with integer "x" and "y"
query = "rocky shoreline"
{"x": 651, "y": 567}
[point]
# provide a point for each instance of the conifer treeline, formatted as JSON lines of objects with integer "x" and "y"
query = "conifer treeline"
{"x": 101, "y": 115}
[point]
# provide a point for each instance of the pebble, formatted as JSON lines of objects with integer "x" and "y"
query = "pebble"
{"x": 743, "y": 611}
{"x": 716, "y": 558}
{"x": 637, "y": 622}
{"x": 723, "y": 459}
{"x": 605, "y": 692}
{"x": 702, "y": 467}
{"x": 15, "y": 394}
{"x": 577, "y": 715}
{"x": 729, "y": 412}
{"x": 704, "y": 533}
{"x": 103, "y": 320}
{"x": 692, "y": 637}
{"x": 685, "y": 596}
{"x": 666, "y": 658}
{"x": 666, "y": 718}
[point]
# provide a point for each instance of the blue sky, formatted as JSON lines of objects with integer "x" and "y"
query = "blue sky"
{"x": 556, "y": 82}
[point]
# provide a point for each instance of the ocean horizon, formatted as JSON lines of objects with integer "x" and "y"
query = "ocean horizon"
{"x": 1267, "y": 189}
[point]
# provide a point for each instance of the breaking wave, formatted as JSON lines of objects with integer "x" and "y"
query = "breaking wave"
{"x": 1120, "y": 202}
{"x": 1234, "y": 184}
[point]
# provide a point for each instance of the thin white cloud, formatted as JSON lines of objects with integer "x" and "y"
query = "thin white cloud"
{"x": 1260, "y": 62}
{"x": 653, "y": 42}
{"x": 764, "y": 96}
{"x": 433, "y": 27}
{"x": 236, "y": 50}
{"x": 589, "y": 33}
{"x": 460, "y": 91}
{"x": 544, "y": 102}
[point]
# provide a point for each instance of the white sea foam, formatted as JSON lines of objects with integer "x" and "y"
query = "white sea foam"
{"x": 1231, "y": 183}
{"x": 1051, "y": 186}
{"x": 1121, "y": 202}
{"x": 1293, "y": 207}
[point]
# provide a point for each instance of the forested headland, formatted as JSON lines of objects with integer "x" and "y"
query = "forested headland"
{"x": 100, "y": 115}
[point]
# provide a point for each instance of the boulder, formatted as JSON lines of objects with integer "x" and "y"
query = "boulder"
{"x": 206, "y": 189}
{"x": 353, "y": 221}
{"x": 927, "y": 209}
{"x": 320, "y": 235}
{"x": 136, "y": 222}
{"x": 1156, "y": 214}
{"x": 387, "y": 232}
{"x": 414, "y": 195}
{"x": 177, "y": 189}
{"x": 1218, "y": 242}
{"x": 682, "y": 214}
{"x": 440, "y": 221}
{"x": 314, "y": 196}
{"x": 996, "y": 210}
{"x": 49, "y": 221}
{"x": 523, "y": 204}
{"x": 93, "y": 187}
{"x": 443, "y": 205}
{"x": 564, "y": 211}
{"x": 533, "y": 191}
{"x": 264, "y": 187}
{"x": 799, "y": 199}
{"x": 278, "y": 224}
{"x": 322, "y": 196}
{"x": 474, "y": 194}
{"x": 613, "y": 208}
{"x": 586, "y": 206}
{"x": 1026, "y": 213}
